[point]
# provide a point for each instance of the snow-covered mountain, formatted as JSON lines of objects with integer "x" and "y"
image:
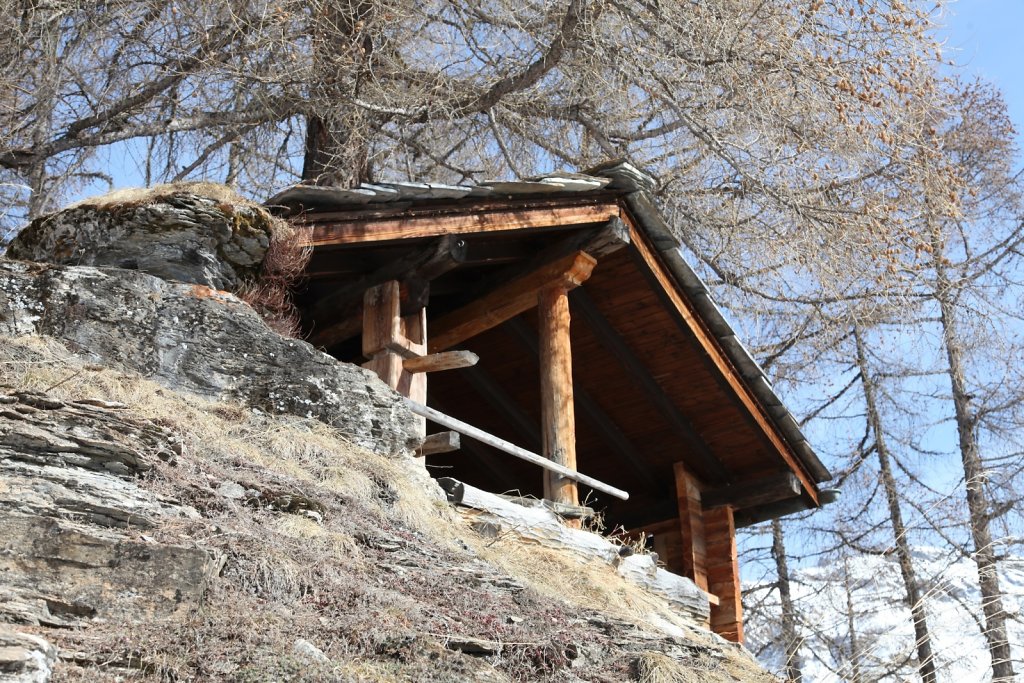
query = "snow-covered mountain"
{"x": 866, "y": 593}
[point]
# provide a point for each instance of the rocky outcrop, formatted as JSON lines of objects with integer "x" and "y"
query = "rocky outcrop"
{"x": 75, "y": 516}
{"x": 25, "y": 658}
{"x": 192, "y": 338}
{"x": 176, "y": 234}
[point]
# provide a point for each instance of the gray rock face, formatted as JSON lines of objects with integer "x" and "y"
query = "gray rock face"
{"x": 72, "y": 512}
{"x": 191, "y": 338}
{"x": 180, "y": 236}
{"x": 25, "y": 658}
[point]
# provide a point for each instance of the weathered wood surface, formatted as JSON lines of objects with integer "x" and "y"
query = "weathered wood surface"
{"x": 754, "y": 492}
{"x": 500, "y": 219}
{"x": 670, "y": 292}
{"x": 502, "y": 445}
{"x": 724, "y": 573}
{"x": 446, "y": 360}
{"x": 508, "y": 300}
{"x": 691, "y": 527}
{"x": 424, "y": 263}
{"x": 413, "y": 295}
{"x": 639, "y": 373}
{"x": 611, "y": 433}
{"x": 442, "y": 442}
{"x": 558, "y": 414}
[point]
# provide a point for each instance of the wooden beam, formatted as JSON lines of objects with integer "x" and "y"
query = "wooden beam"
{"x": 510, "y": 448}
{"x": 596, "y": 416}
{"x": 446, "y": 360}
{"x": 754, "y": 492}
{"x": 691, "y": 527}
{"x": 690, "y": 321}
{"x": 724, "y": 573}
{"x": 638, "y": 373}
{"x": 422, "y": 263}
{"x": 442, "y": 442}
{"x": 508, "y": 300}
{"x": 558, "y": 411}
{"x": 762, "y": 513}
{"x": 485, "y": 220}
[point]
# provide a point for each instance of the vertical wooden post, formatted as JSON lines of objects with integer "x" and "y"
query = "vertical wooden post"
{"x": 388, "y": 337}
{"x": 414, "y": 384}
{"x": 724, "y": 573}
{"x": 691, "y": 527}
{"x": 557, "y": 410}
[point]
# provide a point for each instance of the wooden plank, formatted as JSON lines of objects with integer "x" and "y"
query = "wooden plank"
{"x": 597, "y": 417}
{"x": 638, "y": 372}
{"x": 513, "y": 450}
{"x": 508, "y": 300}
{"x": 754, "y": 492}
{"x": 442, "y": 442}
{"x": 691, "y": 322}
{"x": 446, "y": 360}
{"x": 724, "y": 573}
{"x": 558, "y": 413}
{"x": 691, "y": 527}
{"x": 406, "y": 227}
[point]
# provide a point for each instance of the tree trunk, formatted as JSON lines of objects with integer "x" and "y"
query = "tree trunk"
{"x": 925, "y": 658}
{"x": 337, "y": 140}
{"x": 978, "y": 505}
{"x": 851, "y": 628}
{"x": 789, "y": 628}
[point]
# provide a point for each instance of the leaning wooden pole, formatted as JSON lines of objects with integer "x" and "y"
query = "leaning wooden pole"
{"x": 558, "y": 413}
{"x": 510, "y": 448}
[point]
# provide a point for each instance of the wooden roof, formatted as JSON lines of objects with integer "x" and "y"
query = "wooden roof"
{"x": 659, "y": 375}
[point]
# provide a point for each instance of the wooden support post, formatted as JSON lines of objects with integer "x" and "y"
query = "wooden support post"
{"x": 691, "y": 528}
{"x": 389, "y": 337}
{"x": 557, "y": 410}
{"x": 724, "y": 573}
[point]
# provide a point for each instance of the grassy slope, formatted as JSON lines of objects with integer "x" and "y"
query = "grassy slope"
{"x": 362, "y": 559}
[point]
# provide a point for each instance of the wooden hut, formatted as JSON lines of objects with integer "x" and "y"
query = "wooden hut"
{"x": 598, "y": 348}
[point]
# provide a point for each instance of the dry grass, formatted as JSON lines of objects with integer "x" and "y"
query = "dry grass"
{"x": 380, "y": 614}
{"x": 140, "y": 196}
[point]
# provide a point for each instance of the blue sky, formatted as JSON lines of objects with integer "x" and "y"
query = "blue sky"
{"x": 987, "y": 36}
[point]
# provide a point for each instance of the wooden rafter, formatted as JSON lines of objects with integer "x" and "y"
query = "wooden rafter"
{"x": 754, "y": 492}
{"x": 638, "y": 372}
{"x": 670, "y": 292}
{"x": 508, "y": 300}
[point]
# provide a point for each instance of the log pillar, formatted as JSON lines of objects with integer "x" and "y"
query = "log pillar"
{"x": 724, "y": 573}
{"x": 389, "y": 338}
{"x": 691, "y": 528}
{"x": 557, "y": 410}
